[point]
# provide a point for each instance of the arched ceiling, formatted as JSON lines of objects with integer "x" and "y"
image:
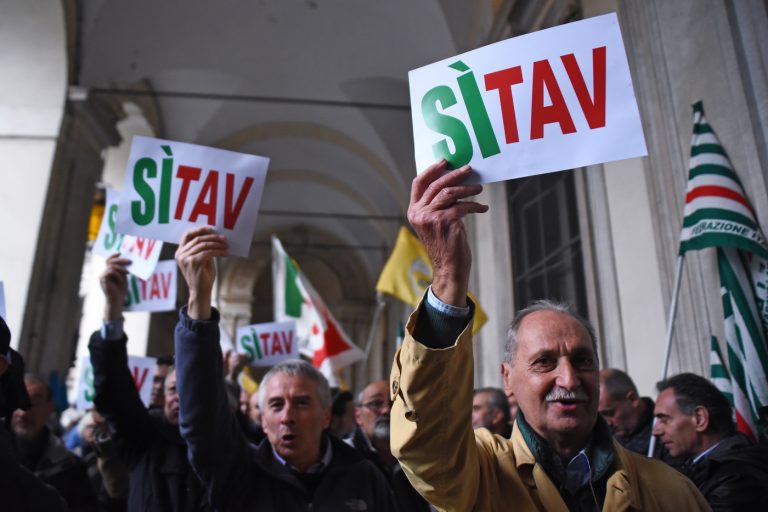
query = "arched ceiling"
{"x": 307, "y": 76}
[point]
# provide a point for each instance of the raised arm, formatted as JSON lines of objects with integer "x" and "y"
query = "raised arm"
{"x": 432, "y": 373}
{"x": 116, "y": 396}
{"x": 217, "y": 447}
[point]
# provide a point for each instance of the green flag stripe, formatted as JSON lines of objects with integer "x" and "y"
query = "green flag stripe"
{"x": 702, "y": 128}
{"x": 737, "y": 370}
{"x": 721, "y": 240}
{"x": 718, "y": 370}
{"x": 719, "y": 170}
{"x": 708, "y": 148}
{"x": 731, "y": 282}
{"x": 717, "y": 214}
{"x": 293, "y": 296}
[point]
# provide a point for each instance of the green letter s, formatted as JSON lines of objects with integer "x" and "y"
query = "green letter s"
{"x": 449, "y": 126}
{"x": 144, "y": 190}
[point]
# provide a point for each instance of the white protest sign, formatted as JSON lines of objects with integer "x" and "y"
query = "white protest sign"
{"x": 268, "y": 344}
{"x": 550, "y": 100}
{"x": 158, "y": 293}
{"x": 2, "y": 300}
{"x": 142, "y": 369}
{"x": 142, "y": 252}
{"x": 172, "y": 186}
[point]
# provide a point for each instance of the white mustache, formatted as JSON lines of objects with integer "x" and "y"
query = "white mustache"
{"x": 559, "y": 393}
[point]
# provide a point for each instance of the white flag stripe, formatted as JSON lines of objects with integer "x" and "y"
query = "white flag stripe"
{"x": 710, "y": 159}
{"x": 721, "y": 203}
{"x": 716, "y": 180}
{"x": 705, "y": 138}
{"x": 740, "y": 401}
{"x": 736, "y": 266}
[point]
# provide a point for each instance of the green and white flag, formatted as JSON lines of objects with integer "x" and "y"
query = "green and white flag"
{"x": 320, "y": 336}
{"x": 719, "y": 372}
{"x": 718, "y": 214}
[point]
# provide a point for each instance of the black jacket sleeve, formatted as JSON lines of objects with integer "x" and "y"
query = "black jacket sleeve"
{"x": 217, "y": 447}
{"x": 117, "y": 398}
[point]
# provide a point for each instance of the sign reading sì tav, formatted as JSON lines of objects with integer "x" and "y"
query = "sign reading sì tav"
{"x": 268, "y": 344}
{"x": 156, "y": 293}
{"x": 173, "y": 186}
{"x": 550, "y": 100}
{"x": 142, "y": 369}
{"x": 143, "y": 252}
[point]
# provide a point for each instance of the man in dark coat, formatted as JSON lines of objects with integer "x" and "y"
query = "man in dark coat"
{"x": 629, "y": 415}
{"x": 693, "y": 419}
{"x": 298, "y": 467}
{"x": 371, "y": 438}
{"x": 44, "y": 454}
{"x": 160, "y": 477}
{"x": 20, "y": 490}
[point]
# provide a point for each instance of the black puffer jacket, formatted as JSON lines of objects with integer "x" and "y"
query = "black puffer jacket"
{"x": 240, "y": 476}
{"x": 160, "y": 476}
{"x": 734, "y": 476}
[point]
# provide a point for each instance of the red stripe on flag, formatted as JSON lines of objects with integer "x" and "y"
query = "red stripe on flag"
{"x": 714, "y": 190}
{"x": 742, "y": 426}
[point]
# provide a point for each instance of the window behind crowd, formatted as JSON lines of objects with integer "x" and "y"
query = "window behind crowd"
{"x": 547, "y": 260}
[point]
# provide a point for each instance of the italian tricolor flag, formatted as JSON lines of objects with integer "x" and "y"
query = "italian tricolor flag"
{"x": 321, "y": 338}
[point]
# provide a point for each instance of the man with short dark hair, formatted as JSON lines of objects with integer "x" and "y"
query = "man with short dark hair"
{"x": 629, "y": 415}
{"x": 561, "y": 455}
{"x": 693, "y": 420}
{"x": 299, "y": 467}
{"x": 491, "y": 410}
{"x": 44, "y": 454}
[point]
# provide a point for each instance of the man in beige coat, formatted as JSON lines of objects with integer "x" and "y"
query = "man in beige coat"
{"x": 561, "y": 455}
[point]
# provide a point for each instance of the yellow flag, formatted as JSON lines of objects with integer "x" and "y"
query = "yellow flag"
{"x": 408, "y": 272}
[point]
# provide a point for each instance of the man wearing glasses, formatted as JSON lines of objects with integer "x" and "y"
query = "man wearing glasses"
{"x": 371, "y": 438}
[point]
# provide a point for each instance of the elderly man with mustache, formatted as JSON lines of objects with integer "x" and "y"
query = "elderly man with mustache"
{"x": 561, "y": 455}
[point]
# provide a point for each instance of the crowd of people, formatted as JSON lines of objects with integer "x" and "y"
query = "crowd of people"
{"x": 560, "y": 435}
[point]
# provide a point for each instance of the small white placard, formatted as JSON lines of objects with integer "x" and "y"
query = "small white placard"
{"x": 158, "y": 293}
{"x": 142, "y": 369}
{"x": 268, "y": 344}
{"x": 550, "y": 100}
{"x": 173, "y": 186}
{"x": 143, "y": 252}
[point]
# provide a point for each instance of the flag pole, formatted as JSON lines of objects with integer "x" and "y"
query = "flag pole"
{"x": 380, "y": 303}
{"x": 670, "y": 331}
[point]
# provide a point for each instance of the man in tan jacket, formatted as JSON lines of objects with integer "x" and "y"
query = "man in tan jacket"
{"x": 561, "y": 455}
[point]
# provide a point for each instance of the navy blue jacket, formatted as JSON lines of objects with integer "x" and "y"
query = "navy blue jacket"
{"x": 242, "y": 476}
{"x": 160, "y": 477}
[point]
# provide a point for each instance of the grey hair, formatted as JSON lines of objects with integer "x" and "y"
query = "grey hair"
{"x": 296, "y": 368}
{"x": 496, "y": 399}
{"x": 510, "y": 348}
{"x": 617, "y": 383}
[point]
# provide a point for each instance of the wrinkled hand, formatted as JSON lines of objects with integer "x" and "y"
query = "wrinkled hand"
{"x": 197, "y": 249}
{"x": 114, "y": 284}
{"x": 437, "y": 213}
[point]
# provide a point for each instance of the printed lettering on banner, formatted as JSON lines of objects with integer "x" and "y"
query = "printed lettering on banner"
{"x": 173, "y": 186}
{"x": 142, "y": 369}
{"x": 550, "y": 100}
{"x": 269, "y": 343}
{"x": 157, "y": 293}
{"x": 143, "y": 252}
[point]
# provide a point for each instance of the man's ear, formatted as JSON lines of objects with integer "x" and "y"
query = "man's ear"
{"x": 506, "y": 377}
{"x": 633, "y": 397}
{"x": 701, "y": 418}
{"x": 358, "y": 413}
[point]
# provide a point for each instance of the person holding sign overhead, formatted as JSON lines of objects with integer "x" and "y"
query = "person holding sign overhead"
{"x": 561, "y": 455}
{"x": 298, "y": 467}
{"x": 148, "y": 441}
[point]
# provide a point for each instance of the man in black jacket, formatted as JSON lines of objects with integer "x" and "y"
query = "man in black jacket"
{"x": 160, "y": 477}
{"x": 693, "y": 419}
{"x": 298, "y": 467}
{"x": 371, "y": 438}
{"x": 629, "y": 415}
